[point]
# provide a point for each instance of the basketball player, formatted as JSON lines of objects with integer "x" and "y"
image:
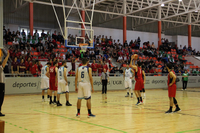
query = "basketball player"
{"x": 51, "y": 74}
{"x": 144, "y": 78}
{"x": 85, "y": 82}
{"x": 128, "y": 80}
{"x": 45, "y": 81}
{"x": 172, "y": 89}
{"x": 138, "y": 78}
{"x": 63, "y": 84}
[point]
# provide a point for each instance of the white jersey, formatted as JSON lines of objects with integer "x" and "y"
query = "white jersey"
{"x": 61, "y": 74}
{"x": 43, "y": 72}
{"x": 83, "y": 74}
{"x": 128, "y": 74}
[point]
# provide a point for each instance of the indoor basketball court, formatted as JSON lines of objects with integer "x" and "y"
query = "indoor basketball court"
{"x": 84, "y": 25}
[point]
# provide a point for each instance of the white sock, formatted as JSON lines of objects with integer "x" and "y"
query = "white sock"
{"x": 144, "y": 94}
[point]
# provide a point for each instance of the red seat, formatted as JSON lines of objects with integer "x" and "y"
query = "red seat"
{"x": 58, "y": 42}
{"x": 35, "y": 53}
{"x": 124, "y": 65}
{"x": 9, "y": 43}
{"x": 191, "y": 67}
{"x": 62, "y": 46}
{"x": 58, "y": 46}
{"x": 61, "y": 54}
{"x": 62, "y": 50}
{"x": 159, "y": 66}
{"x": 197, "y": 67}
{"x": 187, "y": 63}
{"x": 190, "y": 63}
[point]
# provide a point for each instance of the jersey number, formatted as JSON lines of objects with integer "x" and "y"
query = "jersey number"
{"x": 60, "y": 73}
{"x": 82, "y": 74}
{"x": 42, "y": 71}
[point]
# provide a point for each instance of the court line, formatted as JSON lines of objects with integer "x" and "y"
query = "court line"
{"x": 81, "y": 121}
{"x": 188, "y": 131}
{"x": 19, "y": 127}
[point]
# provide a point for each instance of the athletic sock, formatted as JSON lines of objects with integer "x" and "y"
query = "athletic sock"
{"x": 144, "y": 94}
{"x": 177, "y": 106}
{"x": 54, "y": 99}
{"x": 127, "y": 93}
{"x": 89, "y": 111}
{"x": 131, "y": 93}
{"x": 47, "y": 96}
{"x": 138, "y": 99}
{"x": 50, "y": 98}
{"x": 78, "y": 111}
{"x": 58, "y": 101}
{"x": 170, "y": 108}
{"x": 141, "y": 99}
{"x": 67, "y": 101}
{"x": 42, "y": 97}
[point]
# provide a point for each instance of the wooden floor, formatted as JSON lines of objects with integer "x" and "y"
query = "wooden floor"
{"x": 26, "y": 114}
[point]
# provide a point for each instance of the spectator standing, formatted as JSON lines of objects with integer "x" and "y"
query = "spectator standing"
{"x": 14, "y": 66}
{"x": 185, "y": 79}
{"x": 94, "y": 67}
{"x": 34, "y": 69}
{"x": 100, "y": 68}
{"x": 22, "y": 67}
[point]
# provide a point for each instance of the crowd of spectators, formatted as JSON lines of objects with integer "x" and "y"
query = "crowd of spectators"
{"x": 45, "y": 44}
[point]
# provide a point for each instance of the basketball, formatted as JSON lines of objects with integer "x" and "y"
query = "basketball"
{"x": 135, "y": 56}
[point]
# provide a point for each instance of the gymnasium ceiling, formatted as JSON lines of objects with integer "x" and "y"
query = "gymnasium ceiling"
{"x": 174, "y": 13}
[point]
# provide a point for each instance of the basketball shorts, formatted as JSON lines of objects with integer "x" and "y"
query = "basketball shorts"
{"x": 172, "y": 90}
{"x": 139, "y": 85}
{"x": 44, "y": 83}
{"x": 52, "y": 85}
{"x": 62, "y": 87}
{"x": 128, "y": 84}
{"x": 84, "y": 90}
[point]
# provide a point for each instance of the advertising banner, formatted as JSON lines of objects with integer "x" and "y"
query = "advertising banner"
{"x": 32, "y": 84}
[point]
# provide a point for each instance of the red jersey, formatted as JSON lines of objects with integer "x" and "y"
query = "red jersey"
{"x": 80, "y": 64}
{"x": 170, "y": 79}
{"x": 100, "y": 68}
{"x": 30, "y": 65}
{"x": 34, "y": 69}
{"x": 138, "y": 74}
{"x": 94, "y": 67}
{"x": 52, "y": 72}
{"x": 106, "y": 67}
{"x": 88, "y": 65}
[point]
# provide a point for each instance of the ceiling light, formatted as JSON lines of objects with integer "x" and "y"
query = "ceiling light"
{"x": 162, "y": 4}
{"x": 179, "y": 0}
{"x": 196, "y": 11}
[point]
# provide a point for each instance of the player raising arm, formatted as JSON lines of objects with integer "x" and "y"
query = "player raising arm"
{"x": 138, "y": 78}
{"x": 85, "y": 82}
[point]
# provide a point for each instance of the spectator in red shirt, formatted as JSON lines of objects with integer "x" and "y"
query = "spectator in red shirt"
{"x": 73, "y": 62}
{"x": 77, "y": 53}
{"x": 22, "y": 67}
{"x": 27, "y": 63}
{"x": 88, "y": 64}
{"x": 71, "y": 73}
{"x": 105, "y": 66}
{"x": 14, "y": 66}
{"x": 94, "y": 68}
{"x": 100, "y": 68}
{"x": 80, "y": 65}
{"x": 34, "y": 69}
{"x": 39, "y": 67}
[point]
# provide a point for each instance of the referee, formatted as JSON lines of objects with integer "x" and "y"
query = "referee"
{"x": 104, "y": 80}
{"x": 2, "y": 81}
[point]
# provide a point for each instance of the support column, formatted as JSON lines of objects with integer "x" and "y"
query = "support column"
{"x": 124, "y": 22}
{"x": 189, "y": 31}
{"x": 159, "y": 33}
{"x": 1, "y": 24}
{"x": 159, "y": 26}
{"x": 31, "y": 18}
{"x": 82, "y": 25}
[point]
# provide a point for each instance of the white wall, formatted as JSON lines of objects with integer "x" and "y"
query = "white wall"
{"x": 183, "y": 40}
